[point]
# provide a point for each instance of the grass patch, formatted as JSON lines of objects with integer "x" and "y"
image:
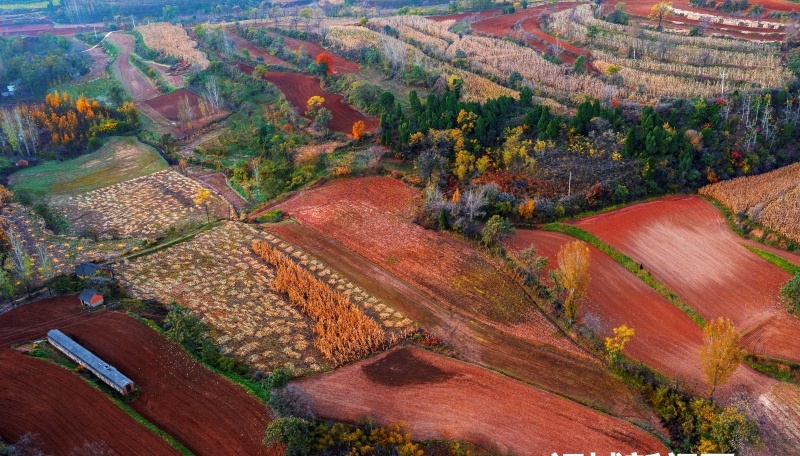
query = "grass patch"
{"x": 23, "y": 5}
{"x": 98, "y": 89}
{"x": 785, "y": 371}
{"x": 777, "y": 260}
{"x": 628, "y": 263}
{"x": 167, "y": 242}
{"x": 119, "y": 160}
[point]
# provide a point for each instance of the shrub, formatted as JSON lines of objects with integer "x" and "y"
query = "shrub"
{"x": 273, "y": 216}
{"x": 52, "y": 219}
{"x": 790, "y": 295}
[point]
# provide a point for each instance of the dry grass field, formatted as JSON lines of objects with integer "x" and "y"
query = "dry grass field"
{"x": 144, "y": 207}
{"x": 172, "y": 40}
{"x": 771, "y": 199}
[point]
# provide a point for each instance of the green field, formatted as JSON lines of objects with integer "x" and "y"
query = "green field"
{"x": 22, "y": 4}
{"x": 119, "y": 160}
{"x": 99, "y": 90}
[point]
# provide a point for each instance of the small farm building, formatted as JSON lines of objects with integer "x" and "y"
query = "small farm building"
{"x": 105, "y": 372}
{"x": 86, "y": 270}
{"x": 91, "y": 298}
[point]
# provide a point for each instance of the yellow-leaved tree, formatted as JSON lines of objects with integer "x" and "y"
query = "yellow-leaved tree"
{"x": 720, "y": 354}
{"x": 659, "y": 11}
{"x": 573, "y": 275}
{"x": 615, "y": 345}
{"x": 201, "y": 199}
{"x": 359, "y": 128}
{"x": 313, "y": 105}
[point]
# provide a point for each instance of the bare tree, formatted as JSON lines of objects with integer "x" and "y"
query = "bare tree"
{"x": 213, "y": 94}
{"x": 395, "y": 52}
{"x": 186, "y": 113}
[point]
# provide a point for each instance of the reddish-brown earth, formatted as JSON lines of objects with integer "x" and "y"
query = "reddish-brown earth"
{"x": 686, "y": 244}
{"x": 362, "y": 228}
{"x": 257, "y": 51}
{"x": 643, "y": 7}
{"x": 39, "y": 397}
{"x": 164, "y": 109}
{"x": 298, "y": 88}
{"x": 201, "y": 409}
{"x": 617, "y": 297}
{"x": 441, "y": 398}
{"x": 340, "y": 64}
{"x": 137, "y": 85}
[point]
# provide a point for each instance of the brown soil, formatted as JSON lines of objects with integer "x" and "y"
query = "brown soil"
{"x": 298, "y": 88}
{"x": 369, "y": 238}
{"x": 136, "y": 84}
{"x": 687, "y": 245}
{"x": 39, "y": 397}
{"x": 164, "y": 109}
{"x": 257, "y": 51}
{"x": 643, "y": 7}
{"x": 201, "y": 409}
{"x": 441, "y": 398}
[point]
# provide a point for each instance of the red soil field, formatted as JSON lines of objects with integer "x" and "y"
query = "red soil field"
{"x": 164, "y": 109}
{"x": 617, "y": 297}
{"x": 372, "y": 216}
{"x": 201, "y": 409}
{"x": 503, "y": 25}
{"x": 48, "y": 400}
{"x": 257, "y": 51}
{"x": 441, "y": 398}
{"x": 298, "y": 88}
{"x": 167, "y": 104}
{"x": 138, "y": 86}
{"x": 362, "y": 228}
{"x": 340, "y": 64}
{"x": 40, "y": 397}
{"x": 643, "y": 7}
{"x": 686, "y": 244}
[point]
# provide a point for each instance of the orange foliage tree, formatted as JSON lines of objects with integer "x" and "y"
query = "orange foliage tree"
{"x": 327, "y": 59}
{"x": 358, "y": 130}
{"x": 343, "y": 332}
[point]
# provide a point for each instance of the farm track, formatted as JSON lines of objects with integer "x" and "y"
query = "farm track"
{"x": 465, "y": 402}
{"x": 219, "y": 183}
{"x": 687, "y": 245}
{"x": 136, "y": 84}
{"x": 201, "y": 409}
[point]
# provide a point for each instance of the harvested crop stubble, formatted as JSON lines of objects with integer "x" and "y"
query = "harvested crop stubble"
{"x": 172, "y": 40}
{"x": 343, "y": 332}
{"x": 143, "y": 207}
{"x": 772, "y": 199}
{"x": 217, "y": 275}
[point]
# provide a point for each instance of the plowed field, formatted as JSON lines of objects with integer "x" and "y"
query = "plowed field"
{"x": 204, "y": 411}
{"x": 298, "y": 88}
{"x": 617, "y": 297}
{"x": 48, "y": 400}
{"x": 440, "y": 398}
{"x": 687, "y": 245}
{"x": 363, "y": 229}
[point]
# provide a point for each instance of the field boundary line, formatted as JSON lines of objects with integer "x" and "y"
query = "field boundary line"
{"x": 777, "y": 260}
{"x": 629, "y": 264}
